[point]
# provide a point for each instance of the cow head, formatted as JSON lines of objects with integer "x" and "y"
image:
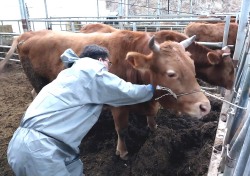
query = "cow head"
{"x": 221, "y": 71}
{"x": 170, "y": 66}
{"x": 214, "y": 67}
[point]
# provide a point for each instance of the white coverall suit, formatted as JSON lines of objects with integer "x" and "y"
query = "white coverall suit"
{"x": 52, "y": 128}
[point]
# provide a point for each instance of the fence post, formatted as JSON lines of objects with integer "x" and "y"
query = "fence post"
{"x": 24, "y": 16}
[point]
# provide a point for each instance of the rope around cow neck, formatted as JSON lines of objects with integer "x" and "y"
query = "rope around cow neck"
{"x": 170, "y": 92}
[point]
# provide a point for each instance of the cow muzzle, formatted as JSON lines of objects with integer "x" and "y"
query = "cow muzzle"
{"x": 198, "y": 109}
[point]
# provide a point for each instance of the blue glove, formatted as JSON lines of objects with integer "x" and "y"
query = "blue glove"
{"x": 152, "y": 88}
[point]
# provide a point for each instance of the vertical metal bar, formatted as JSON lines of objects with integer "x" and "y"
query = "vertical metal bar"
{"x": 24, "y": 16}
{"x": 60, "y": 25}
{"x": 72, "y": 24}
{"x": 168, "y": 6}
{"x": 241, "y": 65}
{"x": 134, "y": 26}
{"x": 226, "y": 31}
{"x": 48, "y": 24}
{"x": 33, "y": 24}
{"x": 120, "y": 13}
{"x": 158, "y": 8}
{"x": 126, "y": 8}
{"x": 97, "y": 3}
{"x": 243, "y": 20}
{"x": 148, "y": 6}
{"x": 19, "y": 28}
{"x": 46, "y": 9}
{"x": 158, "y": 15}
{"x": 120, "y": 8}
{"x": 179, "y": 7}
{"x": 191, "y": 7}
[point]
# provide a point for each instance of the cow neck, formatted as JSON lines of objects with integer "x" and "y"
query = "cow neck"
{"x": 128, "y": 73}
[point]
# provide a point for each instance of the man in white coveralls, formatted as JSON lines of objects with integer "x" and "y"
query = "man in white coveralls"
{"x": 46, "y": 142}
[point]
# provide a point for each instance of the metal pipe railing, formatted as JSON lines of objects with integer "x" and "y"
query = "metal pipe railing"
{"x": 16, "y": 60}
{"x": 244, "y": 133}
{"x": 244, "y": 155}
{"x": 243, "y": 91}
{"x": 243, "y": 21}
{"x": 234, "y": 150}
{"x": 214, "y": 44}
{"x": 125, "y": 20}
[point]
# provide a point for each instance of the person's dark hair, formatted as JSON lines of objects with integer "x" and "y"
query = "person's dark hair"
{"x": 95, "y": 52}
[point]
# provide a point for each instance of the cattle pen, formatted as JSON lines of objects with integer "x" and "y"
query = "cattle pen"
{"x": 230, "y": 153}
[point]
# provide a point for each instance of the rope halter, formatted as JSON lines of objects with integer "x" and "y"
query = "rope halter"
{"x": 170, "y": 92}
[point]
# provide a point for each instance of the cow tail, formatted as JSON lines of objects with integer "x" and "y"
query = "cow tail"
{"x": 9, "y": 53}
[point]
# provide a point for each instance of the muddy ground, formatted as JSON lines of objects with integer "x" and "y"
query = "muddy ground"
{"x": 181, "y": 146}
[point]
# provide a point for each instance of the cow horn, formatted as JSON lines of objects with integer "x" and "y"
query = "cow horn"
{"x": 188, "y": 41}
{"x": 153, "y": 46}
{"x": 226, "y": 49}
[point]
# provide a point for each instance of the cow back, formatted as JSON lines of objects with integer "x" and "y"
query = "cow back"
{"x": 207, "y": 32}
{"x": 40, "y": 52}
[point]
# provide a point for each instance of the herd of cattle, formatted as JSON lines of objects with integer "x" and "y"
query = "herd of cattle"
{"x": 166, "y": 58}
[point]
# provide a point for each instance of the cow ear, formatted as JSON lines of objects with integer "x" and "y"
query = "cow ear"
{"x": 213, "y": 58}
{"x": 137, "y": 60}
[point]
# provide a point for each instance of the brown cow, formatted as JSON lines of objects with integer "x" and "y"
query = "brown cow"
{"x": 207, "y": 32}
{"x": 133, "y": 59}
{"x": 97, "y": 27}
{"x": 212, "y": 66}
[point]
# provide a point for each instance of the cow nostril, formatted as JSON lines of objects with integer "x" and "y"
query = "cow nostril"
{"x": 203, "y": 108}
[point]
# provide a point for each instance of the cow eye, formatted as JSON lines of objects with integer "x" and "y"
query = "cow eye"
{"x": 171, "y": 74}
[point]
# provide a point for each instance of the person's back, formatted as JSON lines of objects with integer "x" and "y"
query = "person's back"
{"x": 72, "y": 94}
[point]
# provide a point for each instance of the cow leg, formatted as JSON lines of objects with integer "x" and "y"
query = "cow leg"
{"x": 152, "y": 123}
{"x": 120, "y": 116}
{"x": 151, "y": 116}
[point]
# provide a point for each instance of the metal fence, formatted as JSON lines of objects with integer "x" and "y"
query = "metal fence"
{"x": 74, "y": 24}
{"x": 231, "y": 156}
